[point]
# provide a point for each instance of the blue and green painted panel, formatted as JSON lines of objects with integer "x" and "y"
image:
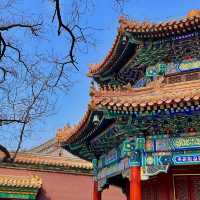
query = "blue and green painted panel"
{"x": 171, "y": 158}
{"x": 114, "y": 169}
{"x": 115, "y": 155}
{"x": 152, "y": 151}
{"x": 170, "y": 144}
{"x": 169, "y": 68}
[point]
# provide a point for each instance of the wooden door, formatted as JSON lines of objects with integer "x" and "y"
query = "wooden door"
{"x": 187, "y": 187}
{"x": 157, "y": 188}
{"x": 150, "y": 190}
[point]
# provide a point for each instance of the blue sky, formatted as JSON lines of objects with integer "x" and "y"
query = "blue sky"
{"x": 104, "y": 16}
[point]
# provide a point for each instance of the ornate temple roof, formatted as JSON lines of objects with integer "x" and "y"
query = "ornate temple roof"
{"x": 21, "y": 181}
{"x": 28, "y": 158}
{"x": 97, "y": 68}
{"x": 147, "y": 98}
{"x": 138, "y": 47}
{"x": 157, "y": 95}
{"x": 49, "y": 156}
{"x": 163, "y": 29}
{"x": 144, "y": 31}
{"x": 50, "y": 149}
{"x": 66, "y": 132}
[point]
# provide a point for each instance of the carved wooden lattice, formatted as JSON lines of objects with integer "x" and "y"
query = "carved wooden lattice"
{"x": 181, "y": 187}
{"x": 187, "y": 187}
{"x": 195, "y": 187}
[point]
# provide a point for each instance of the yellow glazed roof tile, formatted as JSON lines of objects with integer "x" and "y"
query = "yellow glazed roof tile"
{"x": 28, "y": 158}
{"x": 127, "y": 98}
{"x": 148, "y": 30}
{"x": 21, "y": 181}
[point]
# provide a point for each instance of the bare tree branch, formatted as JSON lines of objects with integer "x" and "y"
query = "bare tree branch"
{"x": 2, "y": 46}
{"x": 30, "y": 80}
{"x": 34, "y": 28}
{"x": 6, "y": 152}
{"x": 68, "y": 30}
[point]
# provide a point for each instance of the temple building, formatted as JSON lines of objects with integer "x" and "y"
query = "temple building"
{"x": 48, "y": 172}
{"x": 142, "y": 130}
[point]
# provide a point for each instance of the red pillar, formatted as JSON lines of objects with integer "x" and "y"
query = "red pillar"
{"x": 135, "y": 184}
{"x": 96, "y": 193}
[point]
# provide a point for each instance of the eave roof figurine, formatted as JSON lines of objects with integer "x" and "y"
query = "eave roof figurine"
{"x": 141, "y": 130}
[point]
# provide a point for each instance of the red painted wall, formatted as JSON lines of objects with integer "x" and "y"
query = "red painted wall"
{"x": 61, "y": 186}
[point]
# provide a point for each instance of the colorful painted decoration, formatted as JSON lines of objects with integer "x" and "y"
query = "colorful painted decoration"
{"x": 171, "y": 158}
{"x": 154, "y": 170}
{"x": 115, "y": 168}
{"x": 189, "y": 65}
{"x": 142, "y": 82}
{"x": 149, "y": 125}
{"x": 111, "y": 157}
{"x": 186, "y": 159}
{"x": 169, "y": 68}
{"x": 177, "y": 143}
{"x": 156, "y": 70}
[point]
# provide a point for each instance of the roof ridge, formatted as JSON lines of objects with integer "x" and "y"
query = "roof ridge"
{"x": 66, "y": 132}
{"x": 43, "y": 145}
{"x": 93, "y": 68}
{"x": 28, "y": 158}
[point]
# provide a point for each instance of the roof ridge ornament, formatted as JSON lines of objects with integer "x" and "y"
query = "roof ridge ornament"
{"x": 157, "y": 83}
{"x": 193, "y": 13}
{"x": 64, "y": 132}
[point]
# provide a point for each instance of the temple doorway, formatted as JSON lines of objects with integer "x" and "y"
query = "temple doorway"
{"x": 186, "y": 187}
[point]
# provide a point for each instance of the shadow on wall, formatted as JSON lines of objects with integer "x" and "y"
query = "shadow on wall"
{"x": 113, "y": 193}
{"x": 42, "y": 195}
